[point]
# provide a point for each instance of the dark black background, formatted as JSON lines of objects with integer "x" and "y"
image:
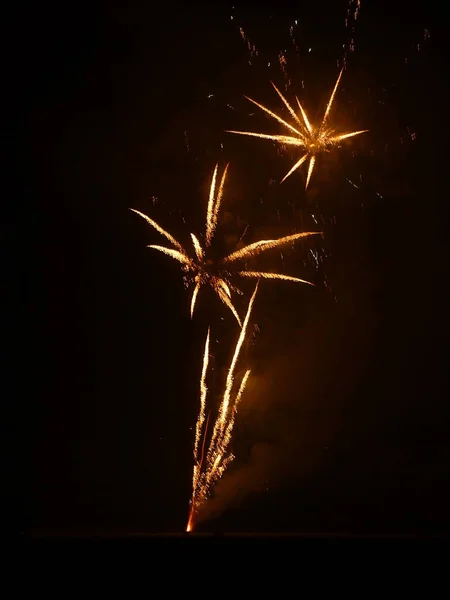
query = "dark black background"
{"x": 109, "y": 360}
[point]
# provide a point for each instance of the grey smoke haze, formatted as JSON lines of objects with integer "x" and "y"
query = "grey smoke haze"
{"x": 293, "y": 412}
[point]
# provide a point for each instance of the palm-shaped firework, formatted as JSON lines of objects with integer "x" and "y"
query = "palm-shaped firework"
{"x": 201, "y": 269}
{"x": 313, "y": 139}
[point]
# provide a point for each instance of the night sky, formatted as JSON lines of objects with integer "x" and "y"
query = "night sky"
{"x": 345, "y": 424}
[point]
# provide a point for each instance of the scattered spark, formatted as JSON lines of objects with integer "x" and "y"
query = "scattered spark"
{"x": 243, "y": 234}
{"x": 353, "y": 8}
{"x": 282, "y": 62}
{"x": 202, "y": 270}
{"x": 207, "y": 472}
{"x": 312, "y": 139}
{"x": 251, "y": 47}
{"x": 353, "y": 184}
{"x": 315, "y": 256}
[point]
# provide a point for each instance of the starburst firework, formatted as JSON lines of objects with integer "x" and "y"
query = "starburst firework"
{"x": 201, "y": 269}
{"x": 210, "y": 466}
{"x": 313, "y": 139}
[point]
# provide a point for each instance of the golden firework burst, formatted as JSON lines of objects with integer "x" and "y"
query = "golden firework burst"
{"x": 200, "y": 269}
{"x": 313, "y": 139}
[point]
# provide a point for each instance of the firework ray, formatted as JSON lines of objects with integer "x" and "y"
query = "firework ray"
{"x": 194, "y": 297}
{"x": 295, "y": 167}
{"x": 179, "y": 256}
{"x": 230, "y": 377}
{"x": 281, "y": 139}
{"x": 288, "y": 106}
{"x": 344, "y": 136}
{"x": 202, "y": 270}
{"x": 258, "y": 247}
{"x": 305, "y": 117}
{"x": 197, "y": 247}
{"x": 262, "y": 275}
{"x": 313, "y": 139}
{"x": 201, "y": 416}
{"x": 160, "y": 230}
{"x": 218, "y": 456}
{"x": 276, "y": 117}
{"x": 210, "y": 210}
{"x": 312, "y": 160}
{"x": 330, "y": 101}
{"x": 215, "y": 213}
{"x": 226, "y": 300}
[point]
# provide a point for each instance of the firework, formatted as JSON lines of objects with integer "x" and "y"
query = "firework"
{"x": 201, "y": 269}
{"x": 313, "y": 139}
{"x": 208, "y": 469}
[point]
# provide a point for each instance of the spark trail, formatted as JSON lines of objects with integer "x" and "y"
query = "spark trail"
{"x": 202, "y": 269}
{"x": 313, "y": 139}
{"x": 206, "y": 473}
